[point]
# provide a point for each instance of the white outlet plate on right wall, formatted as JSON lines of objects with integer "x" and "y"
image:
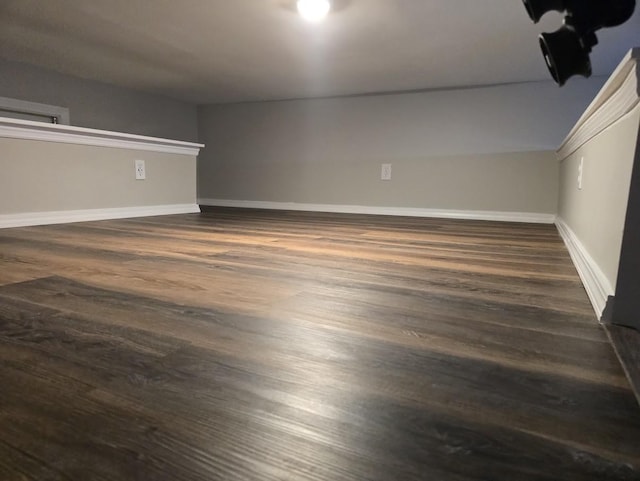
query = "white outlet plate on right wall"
{"x": 580, "y": 172}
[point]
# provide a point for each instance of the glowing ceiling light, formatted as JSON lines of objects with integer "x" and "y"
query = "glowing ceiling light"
{"x": 313, "y": 10}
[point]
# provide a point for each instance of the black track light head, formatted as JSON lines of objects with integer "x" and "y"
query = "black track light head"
{"x": 567, "y": 50}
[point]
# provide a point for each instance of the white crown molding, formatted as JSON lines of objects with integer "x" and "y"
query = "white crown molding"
{"x": 595, "y": 282}
{"x": 616, "y": 99}
{"x": 28, "y": 130}
{"x": 68, "y": 216}
{"x": 526, "y": 217}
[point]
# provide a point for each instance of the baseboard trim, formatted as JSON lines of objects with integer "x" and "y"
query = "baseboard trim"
{"x": 595, "y": 282}
{"x": 526, "y": 217}
{"x": 68, "y": 216}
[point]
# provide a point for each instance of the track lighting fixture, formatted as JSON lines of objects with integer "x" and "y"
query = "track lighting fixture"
{"x": 566, "y": 51}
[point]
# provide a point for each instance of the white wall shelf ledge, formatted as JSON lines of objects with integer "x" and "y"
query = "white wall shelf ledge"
{"x": 25, "y": 129}
{"x": 618, "y": 97}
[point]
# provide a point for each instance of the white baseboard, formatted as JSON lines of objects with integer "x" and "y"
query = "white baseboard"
{"x": 67, "y": 216}
{"x": 529, "y": 217}
{"x": 595, "y": 282}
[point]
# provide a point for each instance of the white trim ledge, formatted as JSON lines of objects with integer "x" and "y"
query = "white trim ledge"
{"x": 28, "y": 130}
{"x": 526, "y": 217}
{"x": 86, "y": 215}
{"x": 618, "y": 97}
{"x": 595, "y": 282}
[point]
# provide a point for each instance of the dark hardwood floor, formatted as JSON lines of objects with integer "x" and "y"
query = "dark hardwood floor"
{"x": 246, "y": 345}
{"x": 626, "y": 343}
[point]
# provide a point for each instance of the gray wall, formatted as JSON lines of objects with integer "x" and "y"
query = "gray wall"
{"x": 472, "y": 149}
{"x": 41, "y": 177}
{"x": 596, "y": 213}
{"x": 98, "y": 105}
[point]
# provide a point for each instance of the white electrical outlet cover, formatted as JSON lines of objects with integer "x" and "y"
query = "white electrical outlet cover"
{"x": 141, "y": 173}
{"x": 580, "y": 173}
{"x": 386, "y": 172}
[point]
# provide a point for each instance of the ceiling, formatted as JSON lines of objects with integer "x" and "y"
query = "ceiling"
{"x": 210, "y": 51}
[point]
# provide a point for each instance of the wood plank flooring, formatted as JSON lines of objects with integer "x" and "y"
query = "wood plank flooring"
{"x": 254, "y": 345}
{"x": 626, "y": 343}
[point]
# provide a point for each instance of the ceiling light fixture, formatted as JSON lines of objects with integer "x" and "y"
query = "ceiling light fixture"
{"x": 314, "y": 10}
